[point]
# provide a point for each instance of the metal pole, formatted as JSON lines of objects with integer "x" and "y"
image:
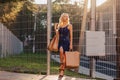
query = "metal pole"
{"x": 116, "y": 24}
{"x": 93, "y": 15}
{"x": 101, "y": 21}
{"x": 34, "y": 33}
{"x": 48, "y": 33}
{"x": 92, "y": 28}
{"x": 2, "y": 37}
{"x": 114, "y": 17}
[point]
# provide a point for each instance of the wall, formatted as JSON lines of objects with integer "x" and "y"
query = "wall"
{"x": 9, "y": 43}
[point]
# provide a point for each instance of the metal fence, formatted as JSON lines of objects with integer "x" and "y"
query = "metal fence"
{"x": 106, "y": 22}
{"x": 105, "y": 66}
{"x": 30, "y": 32}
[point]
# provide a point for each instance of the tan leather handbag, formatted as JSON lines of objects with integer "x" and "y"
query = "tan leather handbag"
{"x": 53, "y": 46}
{"x": 72, "y": 59}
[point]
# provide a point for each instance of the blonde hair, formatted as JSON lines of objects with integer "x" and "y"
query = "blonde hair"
{"x": 60, "y": 19}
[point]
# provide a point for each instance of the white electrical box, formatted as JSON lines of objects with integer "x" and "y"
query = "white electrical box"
{"x": 95, "y": 43}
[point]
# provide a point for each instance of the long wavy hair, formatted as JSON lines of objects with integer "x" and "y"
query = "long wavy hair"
{"x": 61, "y": 21}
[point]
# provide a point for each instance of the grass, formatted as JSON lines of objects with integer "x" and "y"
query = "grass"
{"x": 32, "y": 63}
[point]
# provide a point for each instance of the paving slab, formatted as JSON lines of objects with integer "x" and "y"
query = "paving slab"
{"x": 55, "y": 77}
{"x": 21, "y": 76}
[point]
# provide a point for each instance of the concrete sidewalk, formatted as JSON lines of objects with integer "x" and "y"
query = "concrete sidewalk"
{"x": 19, "y": 76}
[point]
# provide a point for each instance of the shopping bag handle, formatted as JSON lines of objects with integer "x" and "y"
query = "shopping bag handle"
{"x": 71, "y": 50}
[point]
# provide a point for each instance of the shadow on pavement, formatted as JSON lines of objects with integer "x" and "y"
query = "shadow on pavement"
{"x": 68, "y": 78}
{"x": 43, "y": 77}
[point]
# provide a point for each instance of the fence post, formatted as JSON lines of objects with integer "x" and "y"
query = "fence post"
{"x": 92, "y": 28}
{"x": 117, "y": 39}
{"x": 114, "y": 17}
{"x": 35, "y": 16}
{"x": 48, "y": 33}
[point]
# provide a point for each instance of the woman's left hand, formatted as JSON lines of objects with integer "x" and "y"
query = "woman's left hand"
{"x": 71, "y": 47}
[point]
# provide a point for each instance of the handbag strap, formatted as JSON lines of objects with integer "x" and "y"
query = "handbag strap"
{"x": 57, "y": 29}
{"x": 71, "y": 50}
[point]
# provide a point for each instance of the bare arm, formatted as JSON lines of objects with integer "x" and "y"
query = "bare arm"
{"x": 56, "y": 28}
{"x": 71, "y": 36}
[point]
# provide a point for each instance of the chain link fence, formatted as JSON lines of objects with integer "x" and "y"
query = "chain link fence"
{"x": 26, "y": 46}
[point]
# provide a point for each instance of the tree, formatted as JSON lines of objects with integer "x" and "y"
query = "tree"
{"x": 10, "y": 11}
{"x": 61, "y": 1}
{"x": 7, "y": 1}
{"x": 17, "y": 16}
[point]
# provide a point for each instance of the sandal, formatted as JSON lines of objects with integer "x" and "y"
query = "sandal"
{"x": 61, "y": 74}
{"x": 60, "y": 77}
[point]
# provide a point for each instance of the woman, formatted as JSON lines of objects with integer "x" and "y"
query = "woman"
{"x": 64, "y": 30}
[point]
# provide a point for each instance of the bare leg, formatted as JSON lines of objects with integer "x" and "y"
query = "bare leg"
{"x": 62, "y": 61}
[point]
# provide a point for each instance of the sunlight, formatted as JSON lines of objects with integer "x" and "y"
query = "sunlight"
{"x": 41, "y": 1}
{"x": 99, "y": 2}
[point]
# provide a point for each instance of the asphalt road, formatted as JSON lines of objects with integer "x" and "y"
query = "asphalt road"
{"x": 103, "y": 67}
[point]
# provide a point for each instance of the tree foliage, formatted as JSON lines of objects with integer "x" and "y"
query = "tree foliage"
{"x": 61, "y": 1}
{"x": 11, "y": 9}
{"x": 74, "y": 11}
{"x": 6, "y": 1}
{"x": 18, "y": 17}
